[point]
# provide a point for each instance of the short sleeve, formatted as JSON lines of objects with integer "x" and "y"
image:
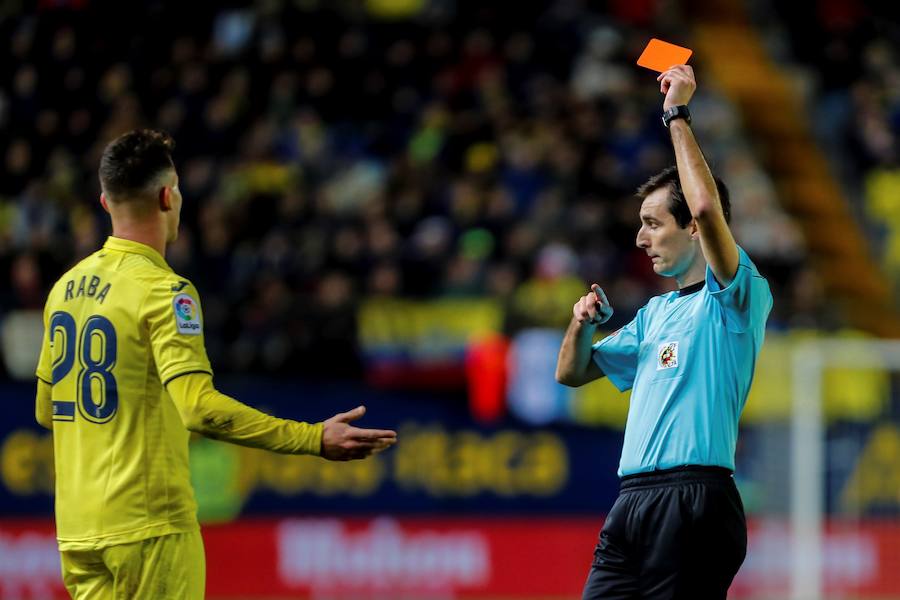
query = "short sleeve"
{"x": 617, "y": 353}
{"x": 175, "y": 320}
{"x": 747, "y": 300}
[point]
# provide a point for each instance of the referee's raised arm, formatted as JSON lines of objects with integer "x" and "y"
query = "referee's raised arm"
{"x": 697, "y": 182}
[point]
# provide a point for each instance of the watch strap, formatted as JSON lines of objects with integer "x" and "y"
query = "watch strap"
{"x": 676, "y": 112}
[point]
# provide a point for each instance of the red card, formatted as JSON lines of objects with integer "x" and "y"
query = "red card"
{"x": 662, "y": 56}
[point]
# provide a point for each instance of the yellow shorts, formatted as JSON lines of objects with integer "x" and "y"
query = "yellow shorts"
{"x": 160, "y": 568}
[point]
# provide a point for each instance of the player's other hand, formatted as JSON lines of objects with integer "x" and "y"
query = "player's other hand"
{"x": 593, "y": 308}
{"x": 678, "y": 84}
{"x": 342, "y": 441}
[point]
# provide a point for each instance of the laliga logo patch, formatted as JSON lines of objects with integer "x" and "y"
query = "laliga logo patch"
{"x": 187, "y": 315}
{"x": 667, "y": 356}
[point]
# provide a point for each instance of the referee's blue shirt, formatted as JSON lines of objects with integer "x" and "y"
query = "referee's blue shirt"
{"x": 689, "y": 357}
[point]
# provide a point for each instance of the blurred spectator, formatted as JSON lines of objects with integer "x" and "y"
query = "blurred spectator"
{"x": 379, "y": 150}
{"x": 852, "y": 50}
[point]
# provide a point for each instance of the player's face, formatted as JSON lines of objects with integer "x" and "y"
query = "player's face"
{"x": 670, "y": 247}
{"x": 173, "y": 217}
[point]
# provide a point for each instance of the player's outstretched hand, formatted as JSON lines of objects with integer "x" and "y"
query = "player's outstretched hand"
{"x": 593, "y": 307}
{"x": 678, "y": 84}
{"x": 342, "y": 441}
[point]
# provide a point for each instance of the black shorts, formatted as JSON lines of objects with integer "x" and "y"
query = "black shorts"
{"x": 673, "y": 534}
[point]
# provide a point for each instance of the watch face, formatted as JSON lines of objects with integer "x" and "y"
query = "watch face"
{"x": 676, "y": 112}
{"x": 667, "y": 116}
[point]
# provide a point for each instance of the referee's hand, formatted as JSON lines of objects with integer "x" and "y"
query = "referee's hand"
{"x": 342, "y": 441}
{"x": 593, "y": 308}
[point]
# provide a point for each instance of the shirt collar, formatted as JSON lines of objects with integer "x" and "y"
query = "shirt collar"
{"x": 123, "y": 245}
{"x": 690, "y": 289}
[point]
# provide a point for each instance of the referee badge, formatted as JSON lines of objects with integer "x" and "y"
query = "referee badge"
{"x": 187, "y": 315}
{"x": 667, "y": 356}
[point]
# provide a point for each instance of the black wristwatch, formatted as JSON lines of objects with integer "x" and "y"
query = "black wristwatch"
{"x": 676, "y": 112}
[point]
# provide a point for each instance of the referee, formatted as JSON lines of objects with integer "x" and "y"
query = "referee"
{"x": 677, "y": 529}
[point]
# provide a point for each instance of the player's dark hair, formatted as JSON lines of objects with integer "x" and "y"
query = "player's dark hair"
{"x": 668, "y": 178}
{"x": 132, "y": 161}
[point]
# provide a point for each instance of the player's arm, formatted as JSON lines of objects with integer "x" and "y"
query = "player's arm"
{"x": 207, "y": 411}
{"x": 43, "y": 401}
{"x": 574, "y": 366}
{"x": 174, "y": 320}
{"x": 716, "y": 240}
{"x": 43, "y": 404}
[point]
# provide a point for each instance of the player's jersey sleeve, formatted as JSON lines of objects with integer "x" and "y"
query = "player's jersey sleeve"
{"x": 617, "y": 353}
{"x": 175, "y": 322}
{"x": 747, "y": 300}
{"x": 44, "y": 369}
{"x": 43, "y": 405}
{"x": 207, "y": 411}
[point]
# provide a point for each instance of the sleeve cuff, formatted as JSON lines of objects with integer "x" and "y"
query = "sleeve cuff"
{"x": 713, "y": 285}
{"x": 617, "y": 380}
{"x": 715, "y": 288}
{"x": 316, "y": 433}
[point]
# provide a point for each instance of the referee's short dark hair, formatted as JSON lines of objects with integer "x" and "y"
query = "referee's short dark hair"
{"x": 132, "y": 162}
{"x": 678, "y": 206}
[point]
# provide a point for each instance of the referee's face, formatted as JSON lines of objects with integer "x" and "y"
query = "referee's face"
{"x": 672, "y": 249}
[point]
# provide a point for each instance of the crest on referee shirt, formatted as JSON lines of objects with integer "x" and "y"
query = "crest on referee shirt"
{"x": 187, "y": 315}
{"x": 667, "y": 356}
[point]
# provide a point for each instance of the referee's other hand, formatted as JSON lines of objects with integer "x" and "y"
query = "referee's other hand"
{"x": 342, "y": 441}
{"x": 593, "y": 308}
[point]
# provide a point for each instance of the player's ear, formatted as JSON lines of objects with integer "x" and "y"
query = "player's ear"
{"x": 103, "y": 202}
{"x": 165, "y": 199}
{"x": 695, "y": 230}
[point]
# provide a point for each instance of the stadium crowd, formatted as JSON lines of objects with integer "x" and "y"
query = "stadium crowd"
{"x": 329, "y": 153}
{"x": 851, "y": 50}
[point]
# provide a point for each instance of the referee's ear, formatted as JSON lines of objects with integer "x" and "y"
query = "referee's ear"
{"x": 103, "y": 202}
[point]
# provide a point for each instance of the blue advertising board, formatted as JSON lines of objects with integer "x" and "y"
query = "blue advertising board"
{"x": 445, "y": 462}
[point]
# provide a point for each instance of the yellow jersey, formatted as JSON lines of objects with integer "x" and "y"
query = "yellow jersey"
{"x": 119, "y": 326}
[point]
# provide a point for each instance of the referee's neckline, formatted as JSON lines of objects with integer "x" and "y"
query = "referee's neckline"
{"x": 690, "y": 289}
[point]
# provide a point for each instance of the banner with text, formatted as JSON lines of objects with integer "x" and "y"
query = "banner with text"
{"x": 440, "y": 558}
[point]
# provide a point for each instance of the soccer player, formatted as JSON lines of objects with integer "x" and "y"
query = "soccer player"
{"x": 123, "y": 379}
{"x": 677, "y": 529}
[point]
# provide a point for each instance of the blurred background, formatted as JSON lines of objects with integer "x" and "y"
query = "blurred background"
{"x": 397, "y": 202}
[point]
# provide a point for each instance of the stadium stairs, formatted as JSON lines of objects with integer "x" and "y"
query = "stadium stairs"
{"x": 773, "y": 112}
